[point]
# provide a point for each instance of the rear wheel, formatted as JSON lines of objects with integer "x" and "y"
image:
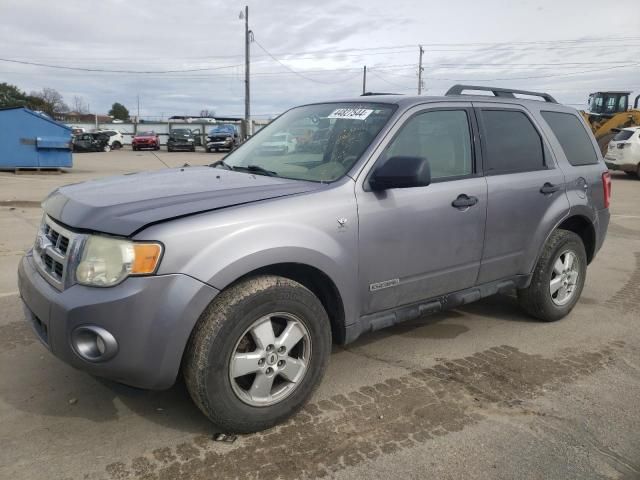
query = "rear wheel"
{"x": 116, "y": 146}
{"x": 257, "y": 353}
{"x": 558, "y": 278}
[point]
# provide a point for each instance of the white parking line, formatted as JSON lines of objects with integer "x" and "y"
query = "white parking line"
{"x": 9, "y": 294}
{"x": 626, "y": 216}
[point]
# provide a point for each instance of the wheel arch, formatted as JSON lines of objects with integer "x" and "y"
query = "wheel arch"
{"x": 318, "y": 282}
{"x": 583, "y": 227}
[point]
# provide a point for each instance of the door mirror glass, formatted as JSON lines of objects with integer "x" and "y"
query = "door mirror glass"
{"x": 401, "y": 172}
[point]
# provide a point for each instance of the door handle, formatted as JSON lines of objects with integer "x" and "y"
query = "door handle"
{"x": 549, "y": 188}
{"x": 464, "y": 201}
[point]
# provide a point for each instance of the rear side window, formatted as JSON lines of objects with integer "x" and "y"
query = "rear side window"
{"x": 573, "y": 138}
{"x": 623, "y": 135}
{"x": 511, "y": 143}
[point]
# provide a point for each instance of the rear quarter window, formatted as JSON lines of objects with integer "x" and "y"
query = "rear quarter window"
{"x": 573, "y": 138}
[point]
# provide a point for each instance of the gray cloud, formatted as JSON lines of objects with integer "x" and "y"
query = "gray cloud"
{"x": 163, "y": 35}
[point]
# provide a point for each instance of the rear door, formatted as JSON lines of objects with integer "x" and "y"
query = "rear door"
{"x": 526, "y": 190}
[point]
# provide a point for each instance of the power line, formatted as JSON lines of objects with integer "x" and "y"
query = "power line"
{"x": 102, "y": 70}
{"x": 297, "y": 72}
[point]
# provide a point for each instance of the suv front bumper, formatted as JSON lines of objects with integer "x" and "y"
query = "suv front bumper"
{"x": 150, "y": 318}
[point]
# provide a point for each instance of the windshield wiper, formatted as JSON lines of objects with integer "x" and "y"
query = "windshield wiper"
{"x": 256, "y": 169}
{"x": 221, "y": 162}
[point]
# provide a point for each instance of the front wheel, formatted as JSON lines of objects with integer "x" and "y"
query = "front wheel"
{"x": 558, "y": 278}
{"x": 257, "y": 353}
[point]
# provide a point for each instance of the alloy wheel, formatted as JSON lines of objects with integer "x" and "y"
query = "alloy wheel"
{"x": 270, "y": 360}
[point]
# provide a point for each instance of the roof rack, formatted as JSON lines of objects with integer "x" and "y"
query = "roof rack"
{"x": 499, "y": 92}
{"x": 368, "y": 94}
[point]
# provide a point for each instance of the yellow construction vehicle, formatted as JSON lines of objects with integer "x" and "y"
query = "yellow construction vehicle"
{"x": 609, "y": 112}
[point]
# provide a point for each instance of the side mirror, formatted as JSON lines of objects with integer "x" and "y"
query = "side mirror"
{"x": 401, "y": 172}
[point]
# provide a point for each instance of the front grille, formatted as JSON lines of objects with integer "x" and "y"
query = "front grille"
{"x": 51, "y": 250}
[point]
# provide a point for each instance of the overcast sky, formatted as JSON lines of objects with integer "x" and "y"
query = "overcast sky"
{"x": 565, "y": 47}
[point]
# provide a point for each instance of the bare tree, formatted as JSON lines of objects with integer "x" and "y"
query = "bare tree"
{"x": 54, "y": 103}
{"x": 79, "y": 105}
{"x": 207, "y": 113}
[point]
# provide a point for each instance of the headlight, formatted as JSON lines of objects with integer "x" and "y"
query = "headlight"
{"x": 107, "y": 261}
{"x": 191, "y": 139}
{"x": 228, "y": 139}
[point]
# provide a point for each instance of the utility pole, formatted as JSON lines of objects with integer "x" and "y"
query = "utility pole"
{"x": 138, "y": 98}
{"x": 247, "y": 90}
{"x": 420, "y": 69}
{"x": 364, "y": 80}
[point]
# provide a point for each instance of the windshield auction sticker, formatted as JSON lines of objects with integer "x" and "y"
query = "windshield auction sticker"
{"x": 351, "y": 113}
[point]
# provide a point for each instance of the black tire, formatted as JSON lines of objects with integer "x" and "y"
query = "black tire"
{"x": 193, "y": 149}
{"x": 169, "y": 149}
{"x": 116, "y": 146}
{"x": 537, "y": 299}
{"x": 223, "y": 324}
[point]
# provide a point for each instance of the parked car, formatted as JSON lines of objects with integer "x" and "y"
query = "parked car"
{"x": 146, "y": 140}
{"x": 181, "y": 139}
{"x": 243, "y": 273}
{"x": 280, "y": 143}
{"x": 623, "y": 152}
{"x": 116, "y": 139}
{"x": 91, "y": 142}
{"x": 224, "y": 136}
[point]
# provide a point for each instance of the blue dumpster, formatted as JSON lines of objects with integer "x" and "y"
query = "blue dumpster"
{"x": 32, "y": 140}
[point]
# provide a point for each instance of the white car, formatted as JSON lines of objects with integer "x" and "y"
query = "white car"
{"x": 279, "y": 143}
{"x": 624, "y": 152}
{"x": 116, "y": 139}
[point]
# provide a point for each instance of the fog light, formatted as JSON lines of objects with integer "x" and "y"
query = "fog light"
{"x": 94, "y": 344}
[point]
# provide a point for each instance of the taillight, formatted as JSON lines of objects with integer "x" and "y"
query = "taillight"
{"x": 606, "y": 188}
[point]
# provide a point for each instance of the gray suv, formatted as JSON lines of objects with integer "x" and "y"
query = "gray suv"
{"x": 241, "y": 274}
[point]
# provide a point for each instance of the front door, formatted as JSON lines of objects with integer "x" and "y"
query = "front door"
{"x": 414, "y": 243}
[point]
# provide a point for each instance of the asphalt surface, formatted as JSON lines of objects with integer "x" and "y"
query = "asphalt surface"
{"x": 475, "y": 393}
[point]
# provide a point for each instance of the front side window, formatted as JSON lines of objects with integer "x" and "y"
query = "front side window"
{"x": 442, "y": 137}
{"x": 319, "y": 143}
{"x": 573, "y": 138}
{"x": 511, "y": 143}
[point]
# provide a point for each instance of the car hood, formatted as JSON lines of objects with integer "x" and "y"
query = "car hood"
{"x": 125, "y": 204}
{"x": 144, "y": 137}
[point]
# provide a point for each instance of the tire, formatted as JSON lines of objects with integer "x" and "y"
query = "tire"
{"x": 106, "y": 148}
{"x": 221, "y": 330}
{"x": 116, "y": 146}
{"x": 537, "y": 299}
{"x": 193, "y": 149}
{"x": 134, "y": 148}
{"x": 169, "y": 149}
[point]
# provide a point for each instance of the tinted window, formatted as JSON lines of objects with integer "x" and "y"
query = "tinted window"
{"x": 623, "y": 135}
{"x": 511, "y": 142}
{"x": 442, "y": 137}
{"x": 573, "y": 138}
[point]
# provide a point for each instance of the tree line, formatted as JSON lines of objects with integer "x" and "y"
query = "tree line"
{"x": 51, "y": 102}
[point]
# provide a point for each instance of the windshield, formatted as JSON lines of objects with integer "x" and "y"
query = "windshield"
{"x": 623, "y": 135}
{"x": 146, "y": 134}
{"x": 180, "y": 131}
{"x": 223, "y": 129}
{"x": 319, "y": 143}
